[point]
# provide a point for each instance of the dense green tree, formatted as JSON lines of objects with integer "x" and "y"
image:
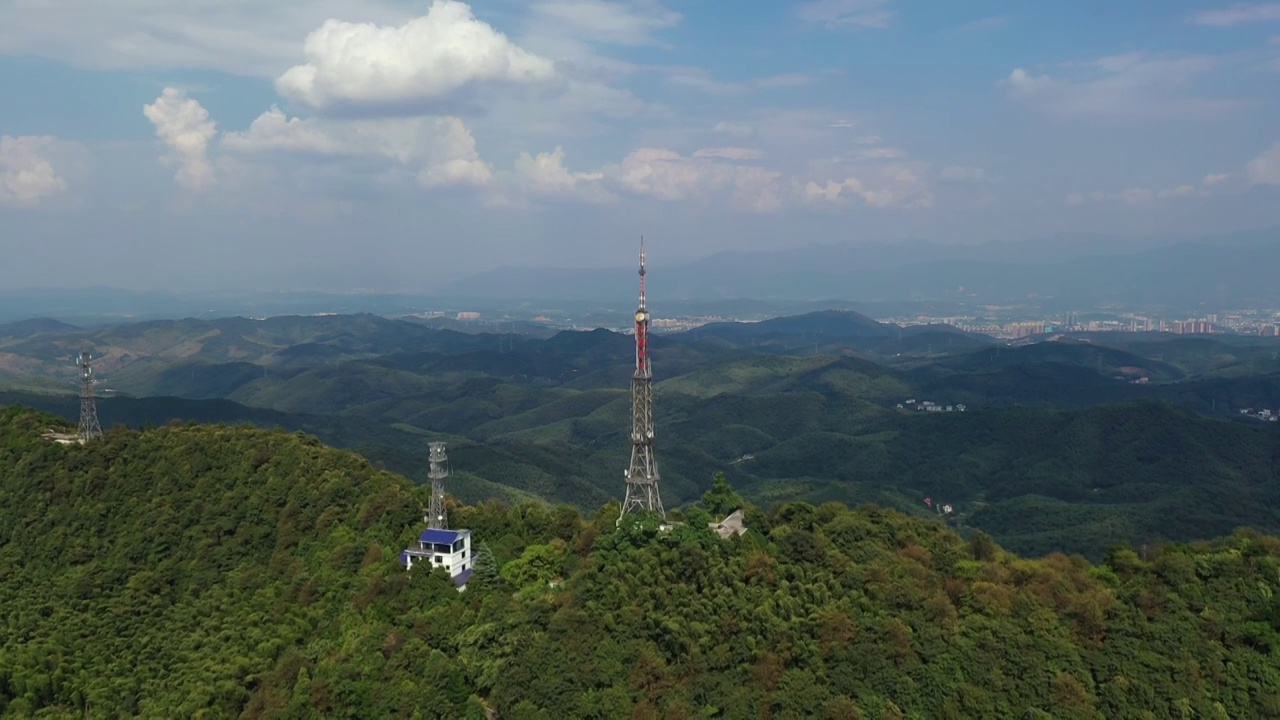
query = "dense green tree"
{"x": 721, "y": 499}
{"x": 212, "y": 571}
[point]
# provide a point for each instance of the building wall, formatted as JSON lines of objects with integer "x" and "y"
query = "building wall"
{"x": 455, "y": 561}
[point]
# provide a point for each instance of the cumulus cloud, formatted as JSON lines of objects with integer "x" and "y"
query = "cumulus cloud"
{"x": 441, "y": 150}
{"x": 183, "y": 125}
{"x": 27, "y": 176}
{"x": 1215, "y": 179}
{"x": 1130, "y": 87}
{"x": 667, "y": 175}
{"x": 545, "y": 175}
{"x": 899, "y": 186}
{"x": 1238, "y": 14}
{"x": 428, "y": 59}
{"x": 619, "y": 23}
{"x": 1265, "y": 169}
{"x": 842, "y": 13}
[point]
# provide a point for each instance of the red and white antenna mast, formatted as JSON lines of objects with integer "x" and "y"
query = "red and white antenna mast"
{"x": 642, "y": 323}
{"x": 642, "y": 306}
{"x": 642, "y": 474}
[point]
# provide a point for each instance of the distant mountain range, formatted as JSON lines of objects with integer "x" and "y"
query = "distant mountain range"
{"x": 1065, "y": 272}
{"x": 1074, "y": 271}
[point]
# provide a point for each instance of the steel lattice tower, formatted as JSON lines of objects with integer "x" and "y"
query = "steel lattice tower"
{"x": 642, "y": 476}
{"x": 436, "y": 517}
{"x": 89, "y": 426}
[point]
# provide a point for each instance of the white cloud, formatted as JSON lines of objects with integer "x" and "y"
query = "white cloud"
{"x": 454, "y": 161}
{"x": 667, "y": 175}
{"x": 442, "y": 151}
{"x": 1119, "y": 88}
{"x": 27, "y": 175}
{"x": 183, "y": 125}
{"x": 1215, "y": 179}
{"x": 729, "y": 153}
{"x": 897, "y": 186}
{"x": 1265, "y": 169}
{"x": 273, "y": 131}
{"x": 837, "y": 13}
{"x": 734, "y": 129}
{"x": 703, "y": 82}
{"x": 869, "y": 140}
{"x": 426, "y": 59}
{"x": 610, "y": 22}
{"x": 545, "y": 175}
{"x": 1239, "y": 13}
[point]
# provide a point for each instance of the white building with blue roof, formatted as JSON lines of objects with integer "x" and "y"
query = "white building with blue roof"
{"x": 449, "y": 549}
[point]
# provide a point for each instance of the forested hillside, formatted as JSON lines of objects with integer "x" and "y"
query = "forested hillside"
{"x": 238, "y": 571}
{"x": 1037, "y": 480}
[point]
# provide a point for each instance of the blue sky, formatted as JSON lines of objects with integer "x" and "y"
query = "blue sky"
{"x": 396, "y": 145}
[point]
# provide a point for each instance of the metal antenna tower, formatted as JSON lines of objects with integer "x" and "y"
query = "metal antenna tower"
{"x": 436, "y": 518}
{"x": 89, "y": 426}
{"x": 642, "y": 475}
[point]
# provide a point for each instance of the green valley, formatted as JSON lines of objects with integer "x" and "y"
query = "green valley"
{"x": 1053, "y": 453}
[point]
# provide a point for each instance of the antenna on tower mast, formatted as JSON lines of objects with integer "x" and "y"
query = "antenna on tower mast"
{"x": 436, "y": 517}
{"x": 642, "y": 474}
{"x": 89, "y": 426}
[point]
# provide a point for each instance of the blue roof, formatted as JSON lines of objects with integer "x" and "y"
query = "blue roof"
{"x": 438, "y": 536}
{"x": 461, "y": 578}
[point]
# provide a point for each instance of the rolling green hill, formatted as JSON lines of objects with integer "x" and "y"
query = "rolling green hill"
{"x": 1104, "y": 360}
{"x": 1045, "y": 481}
{"x": 833, "y": 331}
{"x": 231, "y": 572}
{"x": 1200, "y": 356}
{"x": 548, "y": 418}
{"x": 154, "y": 357}
{"x": 1037, "y": 480}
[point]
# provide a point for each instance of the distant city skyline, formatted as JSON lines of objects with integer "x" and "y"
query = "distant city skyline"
{"x": 367, "y": 143}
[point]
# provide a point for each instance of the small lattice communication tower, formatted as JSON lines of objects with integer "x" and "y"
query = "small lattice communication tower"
{"x": 436, "y": 517}
{"x": 90, "y": 428}
{"x": 642, "y": 473}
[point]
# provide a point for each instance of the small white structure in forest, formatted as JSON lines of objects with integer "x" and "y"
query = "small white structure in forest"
{"x": 732, "y": 525}
{"x": 449, "y": 549}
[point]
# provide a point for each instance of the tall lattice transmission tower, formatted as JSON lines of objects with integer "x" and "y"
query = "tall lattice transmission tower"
{"x": 642, "y": 475}
{"x": 436, "y": 517}
{"x": 89, "y": 425}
